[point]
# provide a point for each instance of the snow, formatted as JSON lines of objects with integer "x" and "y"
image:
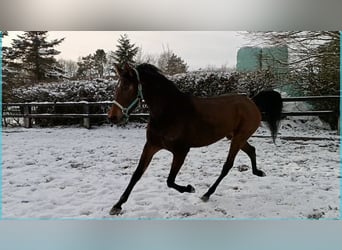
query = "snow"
{"x": 72, "y": 172}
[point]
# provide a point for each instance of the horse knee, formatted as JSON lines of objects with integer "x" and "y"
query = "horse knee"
{"x": 252, "y": 151}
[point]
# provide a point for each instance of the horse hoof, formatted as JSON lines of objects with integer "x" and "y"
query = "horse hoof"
{"x": 205, "y": 198}
{"x": 259, "y": 173}
{"x": 190, "y": 189}
{"x": 115, "y": 211}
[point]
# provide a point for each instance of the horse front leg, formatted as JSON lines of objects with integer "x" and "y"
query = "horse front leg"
{"x": 145, "y": 159}
{"x": 177, "y": 162}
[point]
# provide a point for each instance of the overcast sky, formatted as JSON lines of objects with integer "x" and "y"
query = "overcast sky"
{"x": 199, "y": 49}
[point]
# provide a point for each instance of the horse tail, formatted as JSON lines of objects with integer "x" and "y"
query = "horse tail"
{"x": 270, "y": 105}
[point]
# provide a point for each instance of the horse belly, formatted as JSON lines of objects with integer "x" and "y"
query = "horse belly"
{"x": 205, "y": 136}
{"x": 204, "y": 142}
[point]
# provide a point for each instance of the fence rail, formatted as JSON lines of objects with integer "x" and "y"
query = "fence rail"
{"x": 24, "y": 110}
{"x": 312, "y": 112}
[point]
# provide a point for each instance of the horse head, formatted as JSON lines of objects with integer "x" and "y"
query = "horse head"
{"x": 127, "y": 95}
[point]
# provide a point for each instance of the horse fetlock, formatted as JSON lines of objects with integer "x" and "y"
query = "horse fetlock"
{"x": 170, "y": 183}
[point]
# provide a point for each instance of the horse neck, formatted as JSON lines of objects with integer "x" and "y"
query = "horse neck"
{"x": 162, "y": 100}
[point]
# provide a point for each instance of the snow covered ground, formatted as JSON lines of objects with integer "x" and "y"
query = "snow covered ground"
{"x": 78, "y": 173}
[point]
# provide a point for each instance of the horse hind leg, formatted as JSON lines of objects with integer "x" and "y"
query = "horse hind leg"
{"x": 177, "y": 162}
{"x": 250, "y": 151}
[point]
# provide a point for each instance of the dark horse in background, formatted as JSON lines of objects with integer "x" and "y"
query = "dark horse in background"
{"x": 179, "y": 121}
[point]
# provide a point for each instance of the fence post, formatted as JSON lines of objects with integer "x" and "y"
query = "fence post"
{"x": 27, "y": 119}
{"x": 86, "y": 120}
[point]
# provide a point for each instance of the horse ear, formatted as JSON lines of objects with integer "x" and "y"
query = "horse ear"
{"x": 117, "y": 69}
{"x": 128, "y": 68}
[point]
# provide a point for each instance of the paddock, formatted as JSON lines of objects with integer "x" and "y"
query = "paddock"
{"x": 72, "y": 172}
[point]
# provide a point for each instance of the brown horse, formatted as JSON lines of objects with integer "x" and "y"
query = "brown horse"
{"x": 179, "y": 121}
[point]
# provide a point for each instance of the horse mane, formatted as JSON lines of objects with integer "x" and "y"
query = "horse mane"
{"x": 162, "y": 95}
{"x": 149, "y": 69}
{"x": 157, "y": 79}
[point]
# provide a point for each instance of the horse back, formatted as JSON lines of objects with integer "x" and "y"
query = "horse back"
{"x": 227, "y": 109}
{"x": 222, "y": 116}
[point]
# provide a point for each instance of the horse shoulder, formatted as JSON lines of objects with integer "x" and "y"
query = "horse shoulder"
{"x": 166, "y": 135}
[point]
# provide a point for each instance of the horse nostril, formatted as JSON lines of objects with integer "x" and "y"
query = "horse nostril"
{"x": 113, "y": 119}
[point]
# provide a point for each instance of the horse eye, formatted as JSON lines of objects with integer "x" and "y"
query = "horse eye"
{"x": 125, "y": 87}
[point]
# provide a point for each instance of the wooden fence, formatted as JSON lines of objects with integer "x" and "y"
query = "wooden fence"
{"x": 28, "y": 111}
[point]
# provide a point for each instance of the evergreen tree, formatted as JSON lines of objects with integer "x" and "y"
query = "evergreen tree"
{"x": 6, "y": 55}
{"x": 100, "y": 59}
{"x": 126, "y": 51}
{"x": 34, "y": 54}
{"x": 92, "y": 65}
{"x": 171, "y": 64}
{"x": 7, "y": 59}
{"x": 85, "y": 67}
{"x": 13, "y": 75}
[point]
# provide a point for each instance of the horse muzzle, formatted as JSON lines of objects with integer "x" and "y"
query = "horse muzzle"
{"x": 115, "y": 117}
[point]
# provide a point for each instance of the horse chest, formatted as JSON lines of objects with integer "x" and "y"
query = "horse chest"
{"x": 168, "y": 137}
{"x": 171, "y": 139}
